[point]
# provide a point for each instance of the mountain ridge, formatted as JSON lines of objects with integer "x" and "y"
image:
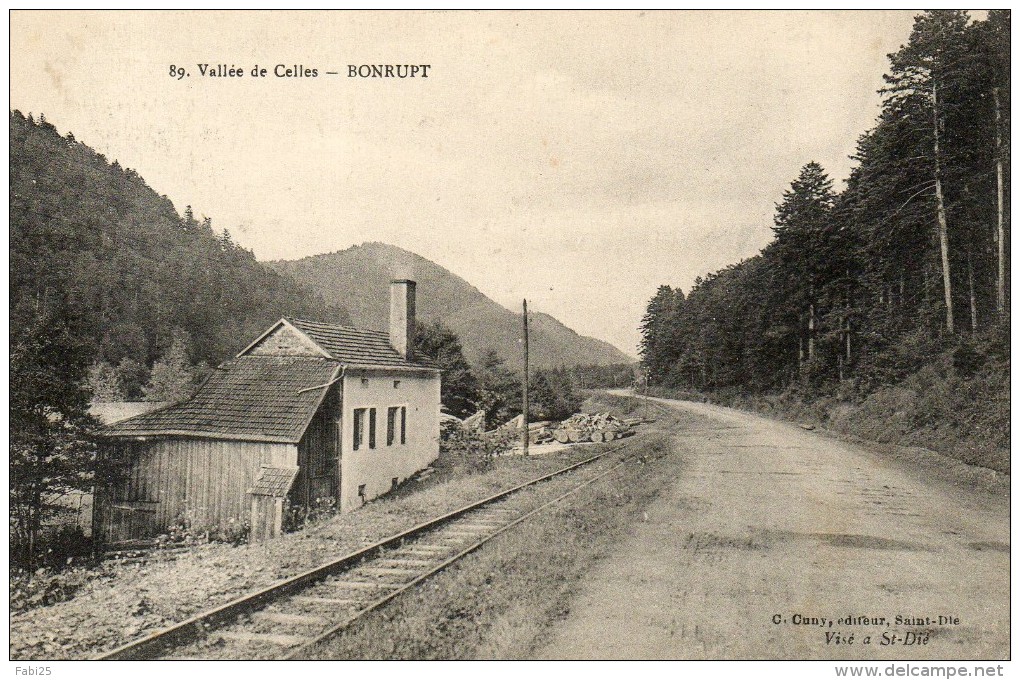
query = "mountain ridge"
{"x": 360, "y": 276}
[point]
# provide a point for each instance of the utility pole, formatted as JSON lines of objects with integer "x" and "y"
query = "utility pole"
{"x": 646, "y": 395}
{"x": 524, "y": 411}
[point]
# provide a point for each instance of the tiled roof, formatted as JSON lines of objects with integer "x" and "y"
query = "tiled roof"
{"x": 355, "y": 346}
{"x": 253, "y": 398}
{"x": 274, "y": 481}
{"x": 109, "y": 412}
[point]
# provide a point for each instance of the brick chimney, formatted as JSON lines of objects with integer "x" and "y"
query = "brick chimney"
{"x": 402, "y": 317}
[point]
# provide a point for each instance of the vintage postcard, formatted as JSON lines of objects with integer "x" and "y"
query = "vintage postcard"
{"x": 513, "y": 335}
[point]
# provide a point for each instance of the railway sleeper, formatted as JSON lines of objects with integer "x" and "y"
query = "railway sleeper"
{"x": 289, "y": 619}
{"x": 251, "y": 638}
{"x": 330, "y": 602}
{"x": 494, "y": 518}
{"x": 426, "y": 548}
{"x": 479, "y": 527}
{"x": 405, "y": 562}
{"x": 359, "y": 585}
{"x": 458, "y": 535}
{"x": 397, "y": 572}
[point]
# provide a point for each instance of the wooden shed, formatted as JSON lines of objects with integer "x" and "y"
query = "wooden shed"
{"x": 346, "y": 413}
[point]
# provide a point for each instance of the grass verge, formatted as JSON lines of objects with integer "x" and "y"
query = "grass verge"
{"x": 500, "y": 601}
{"x": 113, "y": 603}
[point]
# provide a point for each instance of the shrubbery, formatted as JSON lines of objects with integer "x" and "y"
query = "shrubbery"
{"x": 956, "y": 402}
{"x": 45, "y": 586}
{"x": 296, "y": 517}
{"x": 184, "y": 531}
{"x": 468, "y": 450}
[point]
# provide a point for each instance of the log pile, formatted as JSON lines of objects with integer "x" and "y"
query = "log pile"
{"x": 475, "y": 422}
{"x": 590, "y": 427}
{"x": 538, "y": 432}
{"x": 580, "y": 427}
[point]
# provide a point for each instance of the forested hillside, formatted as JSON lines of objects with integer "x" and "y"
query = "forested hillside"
{"x": 885, "y": 306}
{"x": 90, "y": 240}
{"x": 106, "y": 281}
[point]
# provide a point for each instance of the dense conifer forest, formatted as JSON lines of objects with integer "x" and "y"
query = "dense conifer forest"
{"x": 90, "y": 239}
{"x": 888, "y": 300}
{"x": 113, "y": 295}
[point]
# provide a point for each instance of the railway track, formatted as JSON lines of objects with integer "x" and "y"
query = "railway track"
{"x": 293, "y": 616}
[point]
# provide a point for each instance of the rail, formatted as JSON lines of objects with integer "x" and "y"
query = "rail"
{"x": 425, "y": 560}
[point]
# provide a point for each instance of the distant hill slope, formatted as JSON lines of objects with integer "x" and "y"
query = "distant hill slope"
{"x": 359, "y": 276}
{"x": 90, "y": 237}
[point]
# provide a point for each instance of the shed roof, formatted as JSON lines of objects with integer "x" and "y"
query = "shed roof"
{"x": 274, "y": 481}
{"x": 356, "y": 346}
{"x": 252, "y": 398}
{"x": 109, "y": 412}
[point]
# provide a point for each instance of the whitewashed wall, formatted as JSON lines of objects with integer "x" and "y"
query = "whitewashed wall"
{"x": 376, "y": 468}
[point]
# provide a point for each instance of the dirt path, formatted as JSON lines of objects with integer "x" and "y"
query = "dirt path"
{"x": 768, "y": 522}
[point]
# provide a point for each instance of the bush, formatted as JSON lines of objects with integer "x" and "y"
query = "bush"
{"x": 184, "y": 531}
{"x": 58, "y": 547}
{"x": 470, "y": 451}
{"x": 45, "y": 586}
{"x": 553, "y": 396}
{"x": 66, "y": 545}
{"x": 296, "y": 517}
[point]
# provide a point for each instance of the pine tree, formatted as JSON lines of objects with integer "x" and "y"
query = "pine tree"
{"x": 459, "y": 386}
{"x": 104, "y": 383}
{"x": 992, "y": 52}
{"x": 659, "y": 347}
{"x": 52, "y": 452}
{"x": 802, "y": 224}
{"x": 925, "y": 76}
{"x": 172, "y": 377}
{"x": 498, "y": 389}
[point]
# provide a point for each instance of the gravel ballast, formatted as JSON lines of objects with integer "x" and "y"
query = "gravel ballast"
{"x": 120, "y": 602}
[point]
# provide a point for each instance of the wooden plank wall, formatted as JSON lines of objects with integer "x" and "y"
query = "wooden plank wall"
{"x": 204, "y": 481}
{"x": 318, "y": 455}
{"x": 266, "y": 518}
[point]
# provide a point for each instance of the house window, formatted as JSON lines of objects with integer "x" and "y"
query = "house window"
{"x": 360, "y": 416}
{"x": 359, "y": 427}
{"x": 391, "y": 425}
{"x": 396, "y": 384}
{"x": 364, "y": 382}
{"x": 396, "y": 422}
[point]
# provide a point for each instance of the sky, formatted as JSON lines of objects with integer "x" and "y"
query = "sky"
{"x": 579, "y": 160}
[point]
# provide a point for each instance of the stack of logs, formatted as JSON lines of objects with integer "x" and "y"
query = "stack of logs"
{"x": 590, "y": 427}
{"x": 538, "y": 433}
{"x": 580, "y": 427}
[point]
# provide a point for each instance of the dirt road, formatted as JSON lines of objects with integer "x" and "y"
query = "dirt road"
{"x": 776, "y": 542}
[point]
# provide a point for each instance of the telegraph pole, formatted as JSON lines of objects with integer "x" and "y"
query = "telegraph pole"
{"x": 524, "y": 411}
{"x": 642, "y": 385}
{"x": 646, "y": 396}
